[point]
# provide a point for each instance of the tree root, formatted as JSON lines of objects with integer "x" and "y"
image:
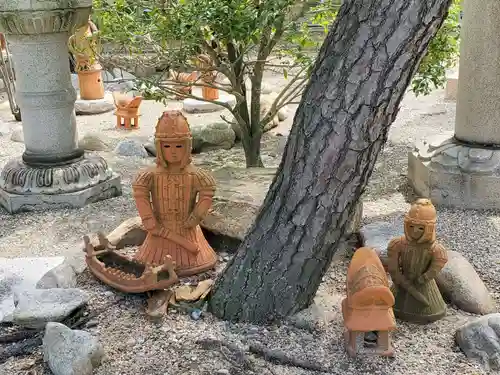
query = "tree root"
{"x": 280, "y": 357}
{"x": 270, "y": 355}
{"x": 236, "y": 356}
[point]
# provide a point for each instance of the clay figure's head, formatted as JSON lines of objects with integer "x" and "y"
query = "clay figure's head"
{"x": 420, "y": 222}
{"x": 173, "y": 140}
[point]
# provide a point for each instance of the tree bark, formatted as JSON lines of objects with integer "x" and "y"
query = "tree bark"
{"x": 361, "y": 74}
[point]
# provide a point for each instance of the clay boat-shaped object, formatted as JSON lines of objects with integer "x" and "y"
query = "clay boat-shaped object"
{"x": 126, "y": 274}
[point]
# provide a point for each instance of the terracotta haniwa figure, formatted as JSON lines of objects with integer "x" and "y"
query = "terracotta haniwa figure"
{"x": 415, "y": 259}
{"x": 127, "y": 111}
{"x": 368, "y": 306}
{"x": 172, "y": 199}
{"x": 208, "y": 93}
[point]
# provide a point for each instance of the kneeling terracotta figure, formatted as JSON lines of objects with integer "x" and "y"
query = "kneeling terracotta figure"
{"x": 415, "y": 260}
{"x": 172, "y": 198}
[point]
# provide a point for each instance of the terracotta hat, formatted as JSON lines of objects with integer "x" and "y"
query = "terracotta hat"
{"x": 422, "y": 211}
{"x": 172, "y": 126}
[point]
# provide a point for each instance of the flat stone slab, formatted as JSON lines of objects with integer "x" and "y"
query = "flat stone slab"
{"x": 197, "y": 106}
{"x": 36, "y": 307}
{"x": 14, "y": 203}
{"x": 94, "y": 107}
{"x": 21, "y": 274}
{"x": 378, "y": 234}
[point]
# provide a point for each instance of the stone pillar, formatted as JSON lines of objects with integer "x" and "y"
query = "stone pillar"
{"x": 463, "y": 169}
{"x": 53, "y": 171}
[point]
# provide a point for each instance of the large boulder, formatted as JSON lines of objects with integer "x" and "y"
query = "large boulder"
{"x": 35, "y": 308}
{"x": 211, "y": 136}
{"x": 71, "y": 352}
{"x": 480, "y": 340}
{"x": 460, "y": 284}
{"x": 240, "y": 193}
{"x": 17, "y": 274}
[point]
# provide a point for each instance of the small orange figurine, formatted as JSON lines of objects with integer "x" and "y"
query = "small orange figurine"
{"x": 183, "y": 78}
{"x": 127, "y": 111}
{"x": 208, "y": 93}
{"x": 368, "y": 306}
{"x": 172, "y": 199}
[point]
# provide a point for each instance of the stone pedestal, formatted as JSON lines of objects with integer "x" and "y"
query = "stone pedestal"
{"x": 53, "y": 171}
{"x": 463, "y": 169}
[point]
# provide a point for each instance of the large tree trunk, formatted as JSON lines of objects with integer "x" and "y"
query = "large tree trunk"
{"x": 361, "y": 74}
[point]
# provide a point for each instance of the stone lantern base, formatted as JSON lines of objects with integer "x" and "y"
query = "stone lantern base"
{"x": 27, "y": 188}
{"x": 455, "y": 174}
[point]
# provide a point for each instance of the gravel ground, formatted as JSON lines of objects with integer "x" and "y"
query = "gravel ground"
{"x": 136, "y": 346}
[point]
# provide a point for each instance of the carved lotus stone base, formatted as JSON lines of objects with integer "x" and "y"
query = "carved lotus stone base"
{"x": 27, "y": 188}
{"x": 454, "y": 174}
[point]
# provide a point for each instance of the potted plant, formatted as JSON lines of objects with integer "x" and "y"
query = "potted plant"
{"x": 85, "y": 46}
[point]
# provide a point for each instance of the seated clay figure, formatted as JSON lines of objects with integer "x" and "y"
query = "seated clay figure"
{"x": 172, "y": 198}
{"x": 415, "y": 259}
{"x": 368, "y": 306}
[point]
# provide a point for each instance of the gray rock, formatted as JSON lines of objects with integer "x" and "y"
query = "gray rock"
{"x": 62, "y": 276}
{"x": 17, "y": 135}
{"x": 131, "y": 147}
{"x": 71, "y": 352}
{"x": 18, "y": 274}
{"x": 283, "y": 113}
{"x": 94, "y": 142}
{"x": 211, "y": 136}
{"x": 316, "y": 317}
{"x": 378, "y": 234}
{"x": 35, "y": 308}
{"x": 480, "y": 340}
{"x": 460, "y": 284}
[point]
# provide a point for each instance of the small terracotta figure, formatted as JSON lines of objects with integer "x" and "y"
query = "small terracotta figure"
{"x": 183, "y": 78}
{"x": 368, "y": 306}
{"x": 127, "y": 111}
{"x": 414, "y": 260}
{"x": 172, "y": 199}
{"x": 208, "y": 93}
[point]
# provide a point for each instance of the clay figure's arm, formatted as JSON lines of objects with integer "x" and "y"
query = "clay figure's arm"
{"x": 393, "y": 252}
{"x": 205, "y": 186}
{"x": 141, "y": 188}
{"x": 439, "y": 259}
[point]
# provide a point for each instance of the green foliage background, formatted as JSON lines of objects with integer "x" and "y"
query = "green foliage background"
{"x": 159, "y": 22}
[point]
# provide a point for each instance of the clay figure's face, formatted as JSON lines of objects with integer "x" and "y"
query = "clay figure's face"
{"x": 173, "y": 152}
{"x": 416, "y": 231}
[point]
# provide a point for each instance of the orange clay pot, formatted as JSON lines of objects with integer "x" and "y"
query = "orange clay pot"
{"x": 209, "y": 93}
{"x": 91, "y": 85}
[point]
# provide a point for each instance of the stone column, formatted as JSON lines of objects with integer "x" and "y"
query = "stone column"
{"x": 463, "y": 169}
{"x": 53, "y": 171}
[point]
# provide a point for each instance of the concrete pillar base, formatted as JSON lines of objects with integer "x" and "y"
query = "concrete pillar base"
{"x": 28, "y": 188}
{"x": 15, "y": 203}
{"x": 455, "y": 174}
